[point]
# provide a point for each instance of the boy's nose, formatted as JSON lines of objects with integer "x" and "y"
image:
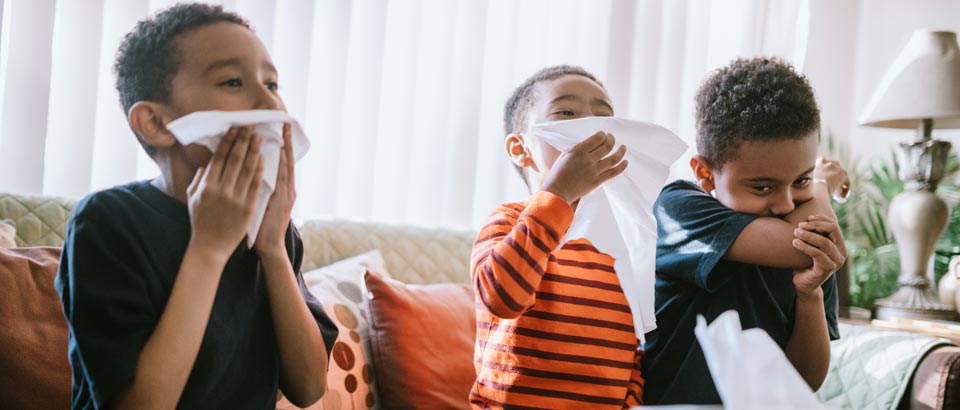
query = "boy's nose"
{"x": 783, "y": 205}
{"x": 268, "y": 100}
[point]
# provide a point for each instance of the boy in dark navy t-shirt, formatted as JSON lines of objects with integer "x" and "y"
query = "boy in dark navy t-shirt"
{"x": 755, "y": 234}
{"x": 167, "y": 305}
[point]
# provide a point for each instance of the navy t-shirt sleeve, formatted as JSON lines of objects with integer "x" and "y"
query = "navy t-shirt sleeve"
{"x": 694, "y": 232}
{"x": 105, "y": 297}
{"x": 328, "y": 329}
{"x": 831, "y": 305}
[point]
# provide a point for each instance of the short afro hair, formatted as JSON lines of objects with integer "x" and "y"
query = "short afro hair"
{"x": 148, "y": 60}
{"x": 523, "y": 99}
{"x": 756, "y": 99}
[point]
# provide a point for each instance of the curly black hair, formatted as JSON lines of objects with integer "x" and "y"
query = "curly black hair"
{"x": 147, "y": 59}
{"x": 754, "y": 99}
{"x": 518, "y": 106}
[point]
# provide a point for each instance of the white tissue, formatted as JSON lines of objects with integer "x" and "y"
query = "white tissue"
{"x": 749, "y": 369}
{"x": 618, "y": 217}
{"x": 208, "y": 128}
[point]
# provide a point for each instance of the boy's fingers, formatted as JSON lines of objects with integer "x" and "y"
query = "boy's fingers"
{"x": 608, "y": 143}
{"x": 254, "y": 185}
{"x": 249, "y": 166}
{"x": 220, "y": 155}
{"x": 288, "y": 148}
{"x": 813, "y": 238}
{"x": 820, "y": 226}
{"x": 613, "y": 159}
{"x": 824, "y": 244}
{"x": 820, "y": 259}
{"x": 821, "y": 218}
{"x": 590, "y": 144}
{"x": 284, "y": 169}
{"x": 236, "y": 159}
{"x": 832, "y": 230}
{"x": 192, "y": 189}
{"x": 613, "y": 172}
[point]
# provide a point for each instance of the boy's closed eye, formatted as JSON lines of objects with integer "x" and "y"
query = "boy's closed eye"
{"x": 232, "y": 83}
{"x": 237, "y": 83}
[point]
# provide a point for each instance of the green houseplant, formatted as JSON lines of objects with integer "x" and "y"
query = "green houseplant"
{"x": 872, "y": 253}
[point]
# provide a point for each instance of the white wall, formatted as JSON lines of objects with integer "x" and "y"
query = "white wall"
{"x": 883, "y": 28}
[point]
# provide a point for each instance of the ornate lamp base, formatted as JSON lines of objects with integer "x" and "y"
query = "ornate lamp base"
{"x": 914, "y": 302}
{"x": 917, "y": 218}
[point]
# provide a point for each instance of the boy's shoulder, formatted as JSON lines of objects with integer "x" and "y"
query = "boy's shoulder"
{"x": 685, "y": 195}
{"x": 682, "y": 187}
{"x": 131, "y": 202}
{"x": 684, "y": 207}
{"x": 103, "y": 202}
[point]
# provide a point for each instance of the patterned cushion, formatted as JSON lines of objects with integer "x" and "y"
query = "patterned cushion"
{"x": 40, "y": 220}
{"x": 8, "y": 234}
{"x": 351, "y": 382}
{"x": 413, "y": 255}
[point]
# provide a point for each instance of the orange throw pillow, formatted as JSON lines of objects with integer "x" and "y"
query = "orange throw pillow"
{"x": 34, "y": 370}
{"x": 422, "y": 338}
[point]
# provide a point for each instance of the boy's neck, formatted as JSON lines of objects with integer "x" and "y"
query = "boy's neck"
{"x": 175, "y": 177}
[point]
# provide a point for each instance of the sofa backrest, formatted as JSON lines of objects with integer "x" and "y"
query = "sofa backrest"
{"x": 41, "y": 220}
{"x": 413, "y": 255}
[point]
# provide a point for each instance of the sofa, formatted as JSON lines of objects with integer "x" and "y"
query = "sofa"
{"x": 425, "y": 258}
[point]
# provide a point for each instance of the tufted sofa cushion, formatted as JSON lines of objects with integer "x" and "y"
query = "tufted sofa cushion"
{"x": 40, "y": 220}
{"x": 413, "y": 255}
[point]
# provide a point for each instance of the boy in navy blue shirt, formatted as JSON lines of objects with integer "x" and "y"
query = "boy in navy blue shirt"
{"x": 755, "y": 234}
{"x": 167, "y": 305}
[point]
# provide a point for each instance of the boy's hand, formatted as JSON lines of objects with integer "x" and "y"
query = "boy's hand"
{"x": 585, "y": 167}
{"x": 838, "y": 182}
{"x": 820, "y": 239}
{"x": 223, "y": 193}
{"x": 273, "y": 229}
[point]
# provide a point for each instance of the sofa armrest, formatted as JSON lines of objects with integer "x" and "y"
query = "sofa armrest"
{"x": 936, "y": 383}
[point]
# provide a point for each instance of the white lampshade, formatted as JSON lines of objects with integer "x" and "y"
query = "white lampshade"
{"x": 923, "y": 82}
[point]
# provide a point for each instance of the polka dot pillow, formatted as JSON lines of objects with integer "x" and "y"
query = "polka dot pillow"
{"x": 350, "y": 381}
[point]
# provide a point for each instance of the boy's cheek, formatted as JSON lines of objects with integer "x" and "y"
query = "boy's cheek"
{"x": 743, "y": 203}
{"x": 198, "y": 155}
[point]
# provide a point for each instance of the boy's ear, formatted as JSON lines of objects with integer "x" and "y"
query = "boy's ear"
{"x": 146, "y": 119}
{"x": 518, "y": 152}
{"x": 703, "y": 173}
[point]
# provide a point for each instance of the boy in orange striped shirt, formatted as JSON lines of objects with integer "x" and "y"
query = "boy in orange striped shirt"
{"x": 554, "y": 329}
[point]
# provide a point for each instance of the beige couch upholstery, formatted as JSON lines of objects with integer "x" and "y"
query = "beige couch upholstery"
{"x": 413, "y": 255}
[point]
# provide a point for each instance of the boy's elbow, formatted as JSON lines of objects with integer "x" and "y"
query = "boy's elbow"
{"x": 816, "y": 382}
{"x": 308, "y": 395}
{"x": 503, "y": 312}
{"x": 487, "y": 296}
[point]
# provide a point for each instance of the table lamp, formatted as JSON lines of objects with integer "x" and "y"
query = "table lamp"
{"x": 920, "y": 91}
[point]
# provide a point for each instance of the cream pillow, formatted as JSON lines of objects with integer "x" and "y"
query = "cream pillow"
{"x": 351, "y": 380}
{"x": 8, "y": 234}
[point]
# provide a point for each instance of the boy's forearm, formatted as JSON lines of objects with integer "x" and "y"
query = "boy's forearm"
{"x": 168, "y": 356}
{"x": 303, "y": 353}
{"x": 809, "y": 346}
{"x": 768, "y": 241}
{"x": 510, "y": 259}
{"x": 819, "y": 205}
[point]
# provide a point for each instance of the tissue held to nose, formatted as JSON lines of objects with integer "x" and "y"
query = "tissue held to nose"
{"x": 207, "y": 128}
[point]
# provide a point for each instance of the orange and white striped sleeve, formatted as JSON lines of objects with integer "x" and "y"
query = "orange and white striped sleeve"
{"x": 512, "y": 250}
